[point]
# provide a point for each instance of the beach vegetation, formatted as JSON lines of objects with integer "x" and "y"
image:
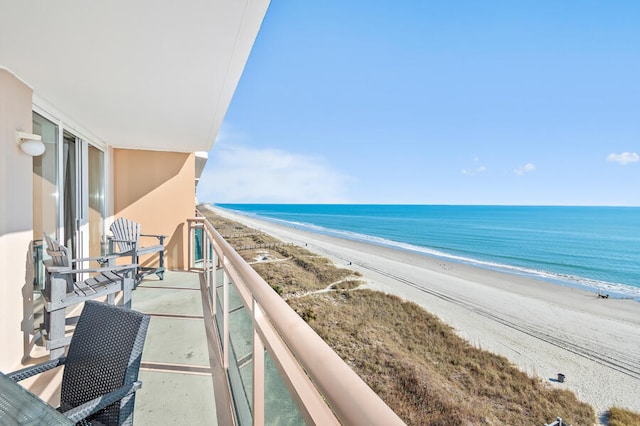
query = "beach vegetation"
{"x": 427, "y": 373}
{"x": 277, "y": 289}
{"x": 417, "y": 364}
{"x": 346, "y": 285}
{"x": 622, "y": 417}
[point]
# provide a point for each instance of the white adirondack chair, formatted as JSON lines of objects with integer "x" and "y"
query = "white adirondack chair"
{"x": 64, "y": 287}
{"x": 126, "y": 236}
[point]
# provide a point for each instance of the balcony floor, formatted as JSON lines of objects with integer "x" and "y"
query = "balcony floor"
{"x": 178, "y": 360}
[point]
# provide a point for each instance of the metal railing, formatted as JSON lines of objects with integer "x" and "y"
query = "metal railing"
{"x": 279, "y": 370}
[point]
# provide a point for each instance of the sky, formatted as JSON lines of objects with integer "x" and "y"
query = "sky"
{"x": 435, "y": 102}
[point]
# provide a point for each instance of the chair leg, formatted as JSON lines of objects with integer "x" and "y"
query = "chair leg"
{"x": 55, "y": 321}
{"x": 127, "y": 287}
{"x": 161, "y": 268}
{"x": 137, "y": 274}
{"x": 55, "y": 333}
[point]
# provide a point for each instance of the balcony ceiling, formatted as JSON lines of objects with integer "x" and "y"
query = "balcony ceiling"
{"x": 143, "y": 74}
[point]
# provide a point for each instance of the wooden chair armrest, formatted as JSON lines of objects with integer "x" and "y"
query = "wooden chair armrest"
{"x": 160, "y": 237}
{"x": 58, "y": 269}
{"x": 99, "y": 259}
{"x": 117, "y": 254}
{"x": 66, "y": 270}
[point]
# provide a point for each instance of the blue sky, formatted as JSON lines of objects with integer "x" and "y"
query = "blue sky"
{"x": 425, "y": 102}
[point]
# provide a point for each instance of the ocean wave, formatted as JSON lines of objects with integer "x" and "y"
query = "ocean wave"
{"x": 613, "y": 289}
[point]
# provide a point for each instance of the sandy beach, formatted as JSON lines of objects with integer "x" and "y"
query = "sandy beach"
{"x": 543, "y": 328}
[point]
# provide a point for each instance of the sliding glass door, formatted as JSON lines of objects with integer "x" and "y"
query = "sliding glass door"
{"x": 84, "y": 201}
{"x": 69, "y": 182}
{"x": 72, "y": 191}
{"x": 45, "y": 194}
{"x": 96, "y": 202}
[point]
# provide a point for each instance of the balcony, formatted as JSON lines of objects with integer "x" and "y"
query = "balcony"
{"x": 224, "y": 348}
{"x": 178, "y": 365}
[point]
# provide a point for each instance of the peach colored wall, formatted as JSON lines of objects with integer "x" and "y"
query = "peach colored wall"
{"x": 157, "y": 190}
{"x": 16, "y": 219}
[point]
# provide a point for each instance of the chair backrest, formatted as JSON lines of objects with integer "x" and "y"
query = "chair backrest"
{"x": 125, "y": 229}
{"x": 104, "y": 355}
{"x": 59, "y": 253}
{"x": 60, "y": 257}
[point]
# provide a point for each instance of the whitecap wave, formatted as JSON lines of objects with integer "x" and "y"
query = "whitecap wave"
{"x": 613, "y": 289}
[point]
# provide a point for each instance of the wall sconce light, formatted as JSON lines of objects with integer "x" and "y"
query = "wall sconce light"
{"x": 30, "y": 144}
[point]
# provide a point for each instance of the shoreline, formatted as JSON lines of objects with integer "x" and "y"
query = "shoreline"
{"x": 541, "y": 327}
{"x": 605, "y": 288}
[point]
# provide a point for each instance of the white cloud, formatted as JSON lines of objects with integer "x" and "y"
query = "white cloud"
{"x": 475, "y": 171}
{"x": 238, "y": 173}
{"x": 527, "y": 168}
{"x": 624, "y": 158}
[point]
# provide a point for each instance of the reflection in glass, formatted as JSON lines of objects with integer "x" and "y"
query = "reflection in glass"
{"x": 69, "y": 173}
{"x": 45, "y": 181}
{"x": 96, "y": 202}
{"x": 45, "y": 205}
{"x": 279, "y": 408}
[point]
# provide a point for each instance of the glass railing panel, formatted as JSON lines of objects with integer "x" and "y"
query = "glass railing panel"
{"x": 219, "y": 300}
{"x": 211, "y": 251}
{"x": 241, "y": 396}
{"x": 198, "y": 254}
{"x": 235, "y": 301}
{"x": 219, "y": 280}
{"x": 219, "y": 319}
{"x": 279, "y": 408}
{"x": 196, "y": 241}
{"x": 240, "y": 332}
{"x": 211, "y": 289}
{"x": 246, "y": 373}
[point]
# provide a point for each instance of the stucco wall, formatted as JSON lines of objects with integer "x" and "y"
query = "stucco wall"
{"x": 157, "y": 190}
{"x": 15, "y": 218}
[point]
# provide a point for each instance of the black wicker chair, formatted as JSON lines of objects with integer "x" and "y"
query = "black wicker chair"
{"x": 101, "y": 368}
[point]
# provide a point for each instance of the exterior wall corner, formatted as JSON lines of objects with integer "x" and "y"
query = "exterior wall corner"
{"x": 16, "y": 219}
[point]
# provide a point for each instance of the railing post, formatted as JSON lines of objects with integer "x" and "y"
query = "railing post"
{"x": 258, "y": 369}
{"x": 211, "y": 274}
{"x": 205, "y": 251}
{"x": 225, "y": 314}
{"x": 190, "y": 256}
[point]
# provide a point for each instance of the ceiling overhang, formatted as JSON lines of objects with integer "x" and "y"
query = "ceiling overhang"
{"x": 201, "y": 160}
{"x": 136, "y": 74}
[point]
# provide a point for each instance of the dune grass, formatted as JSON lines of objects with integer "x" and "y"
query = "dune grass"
{"x": 623, "y": 417}
{"x": 424, "y": 371}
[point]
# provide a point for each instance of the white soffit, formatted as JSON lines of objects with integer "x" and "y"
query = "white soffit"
{"x": 136, "y": 74}
{"x": 201, "y": 161}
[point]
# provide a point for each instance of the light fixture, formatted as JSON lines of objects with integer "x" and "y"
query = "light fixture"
{"x": 30, "y": 144}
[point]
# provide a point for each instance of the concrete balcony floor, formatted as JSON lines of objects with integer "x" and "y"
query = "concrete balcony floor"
{"x": 180, "y": 369}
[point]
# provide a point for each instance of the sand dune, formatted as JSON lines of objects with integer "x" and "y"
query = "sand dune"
{"x": 543, "y": 328}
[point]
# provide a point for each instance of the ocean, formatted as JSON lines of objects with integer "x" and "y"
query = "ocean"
{"x": 594, "y": 248}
